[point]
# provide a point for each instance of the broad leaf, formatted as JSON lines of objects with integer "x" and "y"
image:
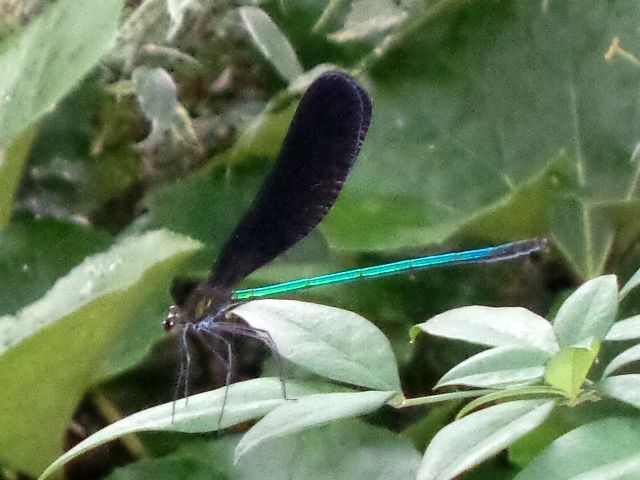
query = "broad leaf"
{"x": 588, "y": 313}
{"x": 87, "y": 326}
{"x": 335, "y": 343}
{"x": 492, "y": 96}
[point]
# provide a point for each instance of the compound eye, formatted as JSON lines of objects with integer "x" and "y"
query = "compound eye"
{"x": 172, "y": 318}
{"x": 168, "y": 325}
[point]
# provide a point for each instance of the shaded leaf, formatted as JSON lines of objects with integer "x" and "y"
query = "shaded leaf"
{"x": 48, "y": 59}
{"x": 368, "y": 18}
{"x": 271, "y": 42}
{"x": 59, "y": 345}
{"x": 35, "y": 253}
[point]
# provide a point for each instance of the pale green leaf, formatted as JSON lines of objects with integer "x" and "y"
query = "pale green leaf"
{"x": 335, "y": 343}
{"x": 628, "y": 356}
{"x": 627, "y": 329}
{"x": 271, "y": 42}
{"x": 498, "y": 367}
{"x": 604, "y": 449}
{"x": 199, "y": 413}
{"x": 588, "y": 312}
{"x": 310, "y": 411}
{"x": 496, "y": 327}
{"x": 475, "y": 438}
{"x": 625, "y": 388}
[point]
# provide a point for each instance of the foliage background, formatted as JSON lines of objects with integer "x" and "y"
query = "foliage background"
{"x": 492, "y": 121}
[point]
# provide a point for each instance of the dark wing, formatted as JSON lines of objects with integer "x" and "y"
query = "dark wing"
{"x": 319, "y": 150}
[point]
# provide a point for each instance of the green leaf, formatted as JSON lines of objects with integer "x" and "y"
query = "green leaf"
{"x": 498, "y": 367}
{"x": 368, "y": 18}
{"x": 627, "y": 329}
{"x": 584, "y": 233}
{"x": 347, "y": 449}
{"x": 271, "y": 42}
{"x": 200, "y": 413}
{"x": 310, "y": 411}
{"x": 496, "y": 327}
{"x": 467, "y": 442}
{"x": 75, "y": 334}
{"x": 49, "y": 58}
{"x": 632, "y": 283}
{"x": 628, "y": 356}
{"x": 625, "y": 388}
{"x": 35, "y": 253}
{"x": 606, "y": 448}
{"x": 12, "y": 162}
{"x": 567, "y": 370}
{"x": 335, "y": 343}
{"x": 157, "y": 95}
{"x": 467, "y": 124}
{"x": 588, "y": 313}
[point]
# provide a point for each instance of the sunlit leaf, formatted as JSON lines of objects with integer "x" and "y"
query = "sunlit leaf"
{"x": 312, "y": 410}
{"x": 496, "y": 327}
{"x": 471, "y": 440}
{"x": 588, "y": 312}
{"x": 499, "y": 366}
{"x": 335, "y": 343}
{"x": 607, "y": 448}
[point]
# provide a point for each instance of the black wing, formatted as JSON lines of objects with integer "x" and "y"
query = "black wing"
{"x": 319, "y": 150}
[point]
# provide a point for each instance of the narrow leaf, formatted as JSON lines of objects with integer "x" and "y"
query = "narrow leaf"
{"x": 588, "y": 312}
{"x": 627, "y": 329}
{"x": 604, "y": 449}
{"x": 199, "y": 413}
{"x": 471, "y": 440}
{"x": 499, "y": 366}
{"x": 632, "y": 283}
{"x": 335, "y": 343}
{"x": 271, "y": 41}
{"x": 496, "y": 327}
{"x": 625, "y": 388}
{"x": 312, "y": 410}
{"x": 625, "y": 358}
